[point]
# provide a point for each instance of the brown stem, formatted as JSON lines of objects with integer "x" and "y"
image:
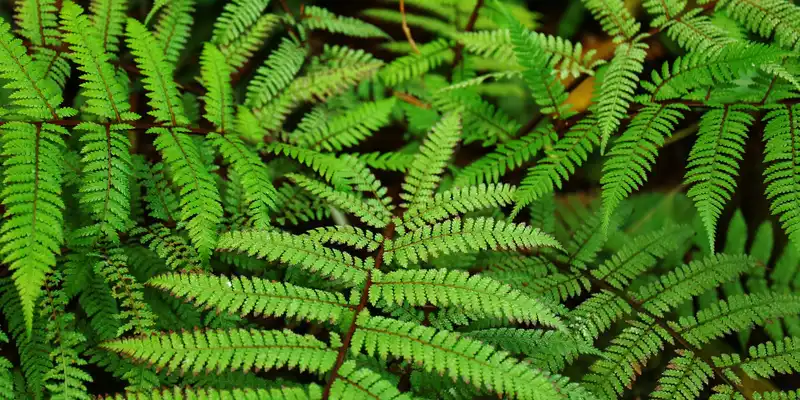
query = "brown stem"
{"x": 473, "y": 18}
{"x": 406, "y": 29}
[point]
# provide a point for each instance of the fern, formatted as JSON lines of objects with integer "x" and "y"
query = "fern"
{"x": 173, "y": 28}
{"x": 616, "y": 91}
{"x": 314, "y": 18}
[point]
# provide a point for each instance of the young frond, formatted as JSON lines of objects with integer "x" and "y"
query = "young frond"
{"x": 632, "y": 155}
{"x": 782, "y": 175}
{"x": 618, "y": 87}
{"x": 685, "y": 377}
{"x": 457, "y": 236}
{"x": 476, "y": 295}
{"x": 216, "y": 77}
{"x": 174, "y": 28}
{"x": 767, "y": 18}
{"x": 316, "y": 18}
{"x": 615, "y": 19}
{"x": 259, "y": 193}
{"x": 460, "y": 358}
{"x": 135, "y": 313}
{"x": 169, "y": 247}
{"x": 297, "y": 250}
{"x": 425, "y": 172}
{"x": 507, "y": 156}
{"x": 640, "y": 254}
{"x": 108, "y": 18}
{"x": 161, "y": 88}
{"x": 242, "y": 295}
{"x": 201, "y": 210}
{"x": 370, "y": 211}
{"x": 713, "y": 163}
{"x": 347, "y": 129}
{"x": 548, "y": 92}
{"x": 276, "y": 74}
{"x": 32, "y": 231}
{"x": 692, "y": 279}
{"x": 559, "y": 162}
{"x": 459, "y": 201}
{"x": 766, "y": 360}
{"x": 348, "y": 235}
{"x": 233, "y": 350}
{"x": 431, "y": 56}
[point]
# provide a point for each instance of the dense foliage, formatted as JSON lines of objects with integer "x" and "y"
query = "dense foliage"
{"x": 271, "y": 200}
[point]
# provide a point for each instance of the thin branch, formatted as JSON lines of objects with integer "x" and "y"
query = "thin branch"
{"x": 473, "y": 18}
{"x": 406, "y": 29}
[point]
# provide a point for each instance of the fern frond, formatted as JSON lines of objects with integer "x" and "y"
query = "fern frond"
{"x": 713, "y": 163}
{"x": 460, "y": 358}
{"x": 425, "y": 172}
{"x": 685, "y": 377}
{"x": 632, "y": 156}
{"x": 31, "y": 233}
{"x": 325, "y": 165}
{"x": 38, "y": 22}
{"x": 482, "y": 120}
{"x": 387, "y": 161}
{"x": 615, "y": 19}
{"x": 692, "y": 279}
{"x": 169, "y": 247}
{"x": 691, "y": 30}
{"x": 108, "y": 18}
{"x": 173, "y": 28}
{"x": 457, "y": 236}
{"x": 160, "y": 199}
{"x": 431, "y": 56}
{"x": 559, "y": 162}
{"x": 766, "y": 360}
{"x": 299, "y": 251}
{"x": 239, "y": 51}
{"x": 618, "y": 87}
{"x": 190, "y": 393}
{"x": 236, "y": 17}
{"x": 640, "y": 254}
{"x": 234, "y": 349}
{"x": 782, "y": 176}
{"x": 767, "y": 18}
{"x": 458, "y": 202}
{"x": 348, "y": 235}
{"x": 353, "y": 382}
{"x": 136, "y": 315}
{"x": 549, "y": 350}
{"x": 316, "y": 18}
{"x": 476, "y": 295}
{"x": 370, "y": 211}
{"x": 255, "y": 296}
{"x": 347, "y": 129}
{"x": 735, "y": 314}
{"x": 277, "y": 73}
{"x": 216, "y": 77}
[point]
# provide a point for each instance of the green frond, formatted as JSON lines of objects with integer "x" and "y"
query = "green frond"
{"x": 191, "y": 393}
{"x": 297, "y": 250}
{"x": 460, "y": 358}
{"x": 612, "y": 15}
{"x": 108, "y": 18}
{"x": 459, "y": 201}
{"x": 278, "y": 71}
{"x": 457, "y": 236}
{"x": 587, "y": 239}
{"x": 233, "y": 350}
{"x": 100, "y": 306}
{"x": 618, "y": 87}
{"x": 353, "y": 382}
{"x": 173, "y": 28}
{"x": 348, "y": 235}
{"x": 38, "y": 22}
{"x": 239, "y": 51}
{"x": 548, "y": 350}
{"x": 767, "y": 18}
{"x": 259, "y": 193}
{"x": 201, "y": 209}
{"x": 161, "y": 89}
{"x": 370, "y": 211}
{"x": 169, "y": 247}
{"x": 160, "y": 198}
{"x": 135, "y": 313}
{"x": 787, "y": 395}
{"x": 765, "y": 360}
{"x": 548, "y": 92}
{"x": 236, "y": 17}
{"x": 216, "y": 77}
{"x": 31, "y": 234}
{"x": 424, "y": 174}
{"x": 242, "y": 295}
{"x": 558, "y": 163}
{"x": 735, "y": 314}
{"x": 482, "y": 120}
{"x": 387, "y": 161}
{"x": 692, "y": 279}
{"x": 347, "y": 129}
{"x": 506, "y": 157}
{"x": 641, "y": 253}
{"x": 476, "y": 295}
{"x": 685, "y": 377}
{"x": 316, "y": 18}
{"x": 782, "y": 175}
{"x": 701, "y": 68}
{"x": 326, "y": 165}
{"x": 34, "y": 94}
{"x": 596, "y": 314}
{"x": 431, "y": 56}
{"x": 632, "y": 156}
{"x": 295, "y": 205}
{"x": 713, "y": 163}
{"x": 690, "y": 30}
{"x": 625, "y": 356}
